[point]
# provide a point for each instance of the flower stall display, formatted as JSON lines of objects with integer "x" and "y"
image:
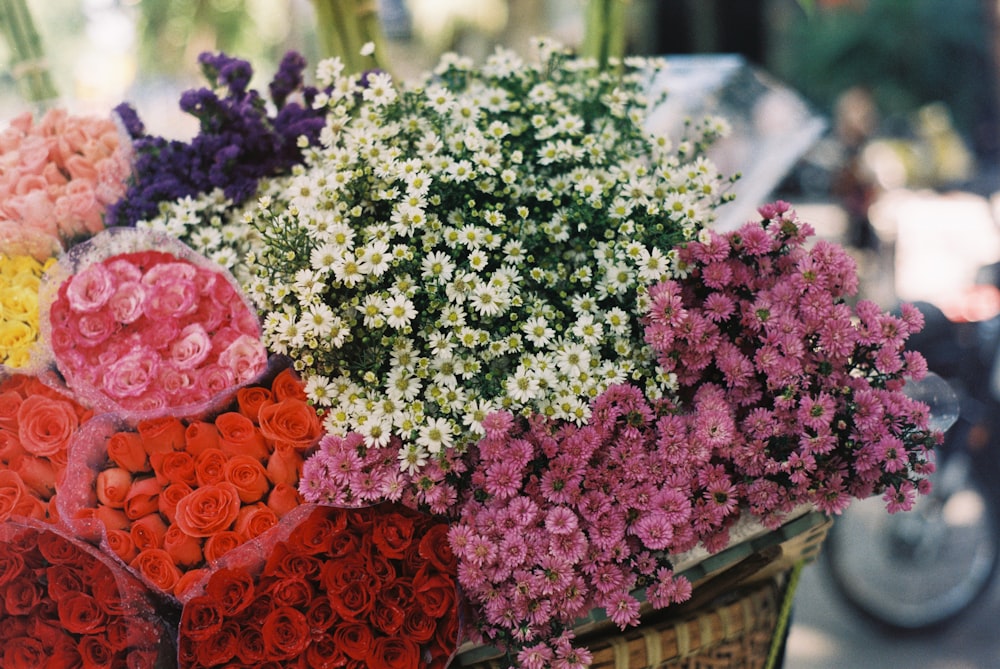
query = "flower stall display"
{"x": 170, "y": 497}
{"x": 522, "y": 380}
{"x": 139, "y": 323}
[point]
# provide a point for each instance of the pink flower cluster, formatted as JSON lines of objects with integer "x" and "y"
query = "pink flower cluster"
{"x": 57, "y": 176}
{"x": 146, "y": 330}
{"x": 804, "y": 391}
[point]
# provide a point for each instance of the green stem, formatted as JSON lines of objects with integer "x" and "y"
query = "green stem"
{"x": 604, "y": 36}
{"x": 344, "y": 27}
{"x": 28, "y": 63}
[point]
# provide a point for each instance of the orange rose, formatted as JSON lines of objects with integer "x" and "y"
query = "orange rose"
{"x": 148, "y": 532}
{"x": 285, "y": 465}
{"x": 187, "y": 581}
{"x": 251, "y": 398}
{"x": 45, "y": 425}
{"x": 238, "y": 435}
{"x": 183, "y": 548}
{"x": 254, "y": 520}
{"x": 113, "y": 486}
{"x": 200, "y": 436}
{"x": 156, "y": 566}
{"x": 121, "y": 544}
{"x": 248, "y": 476}
{"x": 161, "y": 435}
{"x": 209, "y": 466}
{"x": 142, "y": 498}
{"x": 287, "y": 384}
{"x": 15, "y": 498}
{"x": 283, "y": 498}
{"x": 208, "y": 510}
{"x": 10, "y": 401}
{"x": 125, "y": 449}
{"x": 219, "y": 544}
{"x": 39, "y": 474}
{"x": 169, "y": 496}
{"x": 291, "y": 422}
{"x": 174, "y": 467}
{"x": 112, "y": 519}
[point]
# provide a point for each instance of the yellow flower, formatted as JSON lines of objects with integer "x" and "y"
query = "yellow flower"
{"x": 20, "y": 277}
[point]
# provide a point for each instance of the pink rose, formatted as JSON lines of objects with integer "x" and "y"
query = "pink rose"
{"x": 214, "y": 379}
{"x": 245, "y": 358}
{"x": 90, "y": 289}
{"x": 170, "y": 299}
{"x": 95, "y": 327}
{"x": 126, "y": 303}
{"x": 132, "y": 374}
{"x": 123, "y": 270}
{"x": 191, "y": 348}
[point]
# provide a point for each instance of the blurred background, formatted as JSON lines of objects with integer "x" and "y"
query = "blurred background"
{"x": 878, "y": 119}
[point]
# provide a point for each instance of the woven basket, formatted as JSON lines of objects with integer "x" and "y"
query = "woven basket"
{"x": 731, "y": 620}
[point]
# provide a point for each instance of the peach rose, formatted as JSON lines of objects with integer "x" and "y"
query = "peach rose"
{"x": 113, "y": 486}
{"x": 157, "y": 567}
{"x": 161, "y": 435}
{"x": 283, "y": 498}
{"x": 248, "y": 476}
{"x": 183, "y": 548}
{"x": 209, "y": 466}
{"x": 208, "y": 510}
{"x": 253, "y": 520}
{"x": 142, "y": 498}
{"x": 219, "y": 544}
{"x": 148, "y": 532}
{"x": 125, "y": 449}
{"x": 290, "y": 421}
{"x": 239, "y": 436}
{"x": 285, "y": 465}
{"x": 45, "y": 425}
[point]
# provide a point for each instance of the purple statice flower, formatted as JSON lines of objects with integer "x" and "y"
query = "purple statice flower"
{"x": 241, "y": 139}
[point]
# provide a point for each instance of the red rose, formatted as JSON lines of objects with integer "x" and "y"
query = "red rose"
{"x": 59, "y": 550}
{"x": 293, "y": 591}
{"x": 220, "y": 647}
{"x": 418, "y": 626}
{"x": 95, "y": 652}
{"x": 315, "y": 534}
{"x": 351, "y": 568}
{"x": 24, "y": 653}
{"x": 251, "y": 650}
{"x": 21, "y": 596}
{"x": 292, "y": 422}
{"x": 387, "y": 615}
{"x": 61, "y": 580}
{"x": 394, "y": 653}
{"x": 434, "y": 547}
{"x": 355, "y": 639}
{"x": 283, "y": 562}
{"x": 286, "y": 633}
{"x": 231, "y": 590}
{"x": 435, "y": 593}
{"x": 354, "y": 601}
{"x": 11, "y": 567}
{"x": 80, "y": 613}
{"x": 392, "y": 534}
{"x": 320, "y": 614}
{"x": 201, "y": 618}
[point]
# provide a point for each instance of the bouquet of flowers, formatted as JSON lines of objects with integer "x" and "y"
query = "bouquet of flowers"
{"x": 502, "y": 304}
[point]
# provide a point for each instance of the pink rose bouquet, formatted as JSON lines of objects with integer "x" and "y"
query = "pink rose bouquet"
{"x": 139, "y": 330}
{"x": 57, "y": 176}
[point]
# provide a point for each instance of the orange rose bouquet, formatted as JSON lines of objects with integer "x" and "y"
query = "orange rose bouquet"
{"x": 67, "y": 605}
{"x": 37, "y": 424}
{"x": 170, "y": 496}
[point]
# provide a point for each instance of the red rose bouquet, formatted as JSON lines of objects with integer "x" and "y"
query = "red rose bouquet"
{"x": 66, "y": 605}
{"x": 371, "y": 587}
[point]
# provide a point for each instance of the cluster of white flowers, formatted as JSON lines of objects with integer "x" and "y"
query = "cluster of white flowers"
{"x": 479, "y": 239}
